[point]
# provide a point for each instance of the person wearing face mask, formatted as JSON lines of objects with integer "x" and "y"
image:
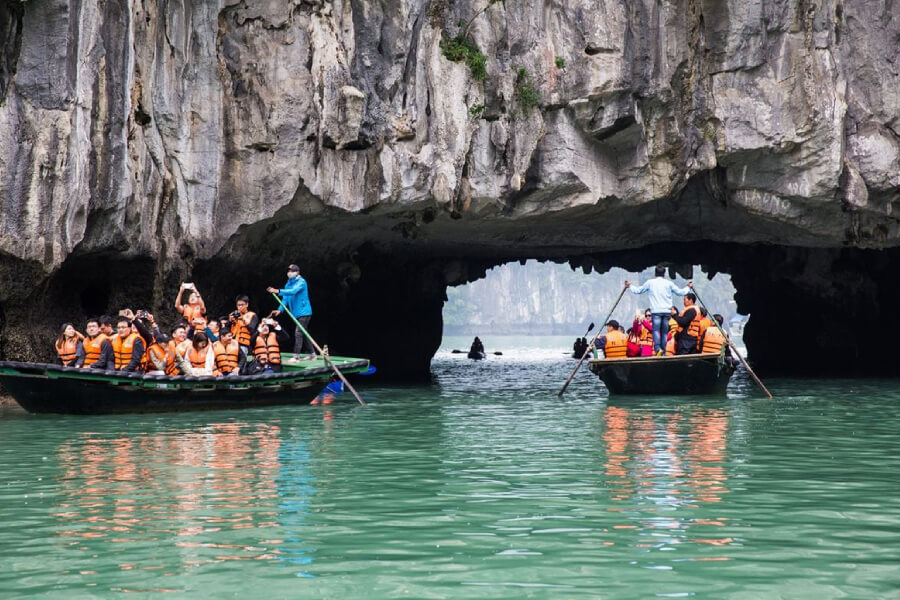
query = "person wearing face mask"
{"x": 295, "y": 296}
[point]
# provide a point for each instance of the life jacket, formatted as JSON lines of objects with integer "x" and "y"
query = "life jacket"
{"x": 197, "y": 358}
{"x": 693, "y": 329}
{"x": 670, "y": 346}
{"x": 93, "y": 348}
{"x": 159, "y": 352}
{"x": 123, "y": 349}
{"x": 227, "y": 356}
{"x": 713, "y": 340}
{"x": 616, "y": 345}
{"x": 705, "y": 323}
{"x": 240, "y": 331}
{"x": 646, "y": 336}
{"x": 269, "y": 345}
{"x": 190, "y": 311}
{"x": 68, "y": 350}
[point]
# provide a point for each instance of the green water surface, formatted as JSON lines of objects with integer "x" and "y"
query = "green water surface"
{"x": 482, "y": 485}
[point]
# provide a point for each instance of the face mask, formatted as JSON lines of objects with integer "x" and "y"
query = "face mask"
{"x": 292, "y": 275}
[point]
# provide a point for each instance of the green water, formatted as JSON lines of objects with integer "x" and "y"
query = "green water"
{"x": 483, "y": 485}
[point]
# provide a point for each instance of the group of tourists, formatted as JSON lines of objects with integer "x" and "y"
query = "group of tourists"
{"x": 662, "y": 329}
{"x": 240, "y": 343}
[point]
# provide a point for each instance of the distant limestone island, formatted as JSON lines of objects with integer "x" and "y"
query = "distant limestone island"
{"x": 551, "y": 299}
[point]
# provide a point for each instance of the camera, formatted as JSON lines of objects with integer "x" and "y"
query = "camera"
{"x": 234, "y": 315}
{"x": 142, "y": 314}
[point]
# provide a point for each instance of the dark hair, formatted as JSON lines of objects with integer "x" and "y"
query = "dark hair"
{"x": 703, "y": 312}
{"x": 200, "y": 337}
{"x": 177, "y": 327}
{"x": 105, "y": 320}
{"x": 62, "y": 333}
{"x": 123, "y": 320}
{"x": 691, "y": 296}
{"x": 242, "y": 298}
{"x": 660, "y": 271}
{"x": 614, "y": 324}
{"x": 222, "y": 318}
{"x": 225, "y": 331}
{"x": 92, "y": 320}
{"x": 719, "y": 318}
{"x": 161, "y": 338}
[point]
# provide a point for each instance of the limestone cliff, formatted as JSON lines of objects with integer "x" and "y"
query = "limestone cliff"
{"x": 164, "y": 135}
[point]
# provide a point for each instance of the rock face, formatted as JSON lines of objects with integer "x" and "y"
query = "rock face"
{"x": 153, "y": 141}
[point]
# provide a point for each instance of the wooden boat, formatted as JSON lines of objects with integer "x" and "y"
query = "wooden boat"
{"x": 43, "y": 388}
{"x": 476, "y": 355}
{"x": 687, "y": 374}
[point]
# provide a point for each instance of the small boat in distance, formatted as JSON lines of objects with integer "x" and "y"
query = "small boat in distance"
{"x": 45, "y": 388}
{"x": 476, "y": 355}
{"x": 665, "y": 375}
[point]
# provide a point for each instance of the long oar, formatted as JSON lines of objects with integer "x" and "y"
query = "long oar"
{"x": 591, "y": 326}
{"x": 591, "y": 345}
{"x": 318, "y": 348}
{"x": 733, "y": 348}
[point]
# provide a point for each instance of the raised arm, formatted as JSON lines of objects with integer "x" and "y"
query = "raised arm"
{"x": 639, "y": 289}
{"x": 178, "y": 306}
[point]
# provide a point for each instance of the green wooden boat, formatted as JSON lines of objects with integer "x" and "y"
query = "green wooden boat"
{"x": 45, "y": 388}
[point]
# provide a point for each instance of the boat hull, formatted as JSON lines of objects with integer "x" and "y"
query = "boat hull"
{"x": 476, "y": 355}
{"x": 665, "y": 375}
{"x": 51, "y": 389}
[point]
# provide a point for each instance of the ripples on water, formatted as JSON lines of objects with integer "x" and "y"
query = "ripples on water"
{"x": 483, "y": 485}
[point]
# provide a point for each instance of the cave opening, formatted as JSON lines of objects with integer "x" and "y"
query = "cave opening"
{"x": 557, "y": 302}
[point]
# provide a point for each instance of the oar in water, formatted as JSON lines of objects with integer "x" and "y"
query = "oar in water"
{"x": 591, "y": 345}
{"x": 318, "y": 348}
{"x": 733, "y": 347}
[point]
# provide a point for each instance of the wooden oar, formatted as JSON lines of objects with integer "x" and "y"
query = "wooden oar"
{"x": 733, "y": 347}
{"x": 591, "y": 345}
{"x": 318, "y": 348}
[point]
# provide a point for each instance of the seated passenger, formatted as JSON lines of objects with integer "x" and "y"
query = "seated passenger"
{"x": 160, "y": 357}
{"x": 197, "y": 325}
{"x": 267, "y": 340}
{"x": 98, "y": 352}
{"x": 258, "y": 366}
{"x": 69, "y": 347}
{"x": 243, "y": 323}
{"x": 713, "y": 341}
{"x": 127, "y": 346}
{"x": 179, "y": 342}
{"x": 229, "y": 358}
{"x": 199, "y": 360}
{"x": 106, "y": 327}
{"x": 212, "y": 331}
{"x": 688, "y": 326}
{"x": 646, "y": 337}
{"x": 613, "y": 342}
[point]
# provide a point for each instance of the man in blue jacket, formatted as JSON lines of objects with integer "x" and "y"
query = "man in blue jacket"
{"x": 295, "y": 296}
{"x": 661, "y": 290}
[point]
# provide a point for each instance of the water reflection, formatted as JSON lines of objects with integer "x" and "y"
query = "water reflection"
{"x": 208, "y": 495}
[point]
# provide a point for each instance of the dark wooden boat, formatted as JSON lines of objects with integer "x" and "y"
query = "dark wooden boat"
{"x": 669, "y": 375}
{"x": 43, "y": 388}
{"x": 476, "y": 355}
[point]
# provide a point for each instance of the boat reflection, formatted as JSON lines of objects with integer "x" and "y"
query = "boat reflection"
{"x": 204, "y": 495}
{"x": 664, "y": 466}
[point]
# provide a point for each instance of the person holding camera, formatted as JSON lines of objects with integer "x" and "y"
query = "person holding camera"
{"x": 267, "y": 342}
{"x": 243, "y": 323}
{"x": 195, "y": 306}
{"x": 295, "y": 296}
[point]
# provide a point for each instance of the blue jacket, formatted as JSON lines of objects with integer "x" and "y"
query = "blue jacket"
{"x": 296, "y": 297}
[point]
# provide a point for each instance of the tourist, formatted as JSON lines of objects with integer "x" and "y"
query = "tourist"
{"x": 69, "y": 347}
{"x": 127, "y": 346}
{"x": 646, "y": 336}
{"x": 295, "y": 296}
{"x": 266, "y": 342}
{"x": 195, "y": 305}
{"x": 661, "y": 290}
{"x": 212, "y": 331}
{"x": 106, "y": 326}
{"x": 243, "y": 323}
{"x": 198, "y": 360}
{"x": 613, "y": 342}
{"x": 160, "y": 357}
{"x": 258, "y": 366}
{"x": 712, "y": 341}
{"x": 229, "y": 358}
{"x": 477, "y": 347}
{"x": 97, "y": 349}
{"x": 179, "y": 342}
{"x": 688, "y": 326}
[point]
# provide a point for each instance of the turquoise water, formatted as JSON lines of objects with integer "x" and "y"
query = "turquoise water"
{"x": 482, "y": 485}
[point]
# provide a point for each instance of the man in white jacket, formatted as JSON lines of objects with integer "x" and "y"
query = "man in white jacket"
{"x": 661, "y": 290}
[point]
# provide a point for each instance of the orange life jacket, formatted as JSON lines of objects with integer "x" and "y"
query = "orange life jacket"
{"x": 93, "y": 347}
{"x": 616, "y": 345}
{"x": 713, "y": 340}
{"x": 269, "y": 345}
{"x": 197, "y": 358}
{"x": 123, "y": 349}
{"x": 227, "y": 356}
{"x": 670, "y": 346}
{"x": 67, "y": 351}
{"x": 189, "y": 311}
{"x": 160, "y": 353}
{"x": 240, "y": 330}
{"x": 694, "y": 326}
{"x": 705, "y": 323}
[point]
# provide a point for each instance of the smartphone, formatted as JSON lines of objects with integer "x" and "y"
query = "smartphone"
{"x": 188, "y": 286}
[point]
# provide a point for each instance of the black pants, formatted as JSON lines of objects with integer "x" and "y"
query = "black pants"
{"x": 685, "y": 344}
{"x": 301, "y": 344}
